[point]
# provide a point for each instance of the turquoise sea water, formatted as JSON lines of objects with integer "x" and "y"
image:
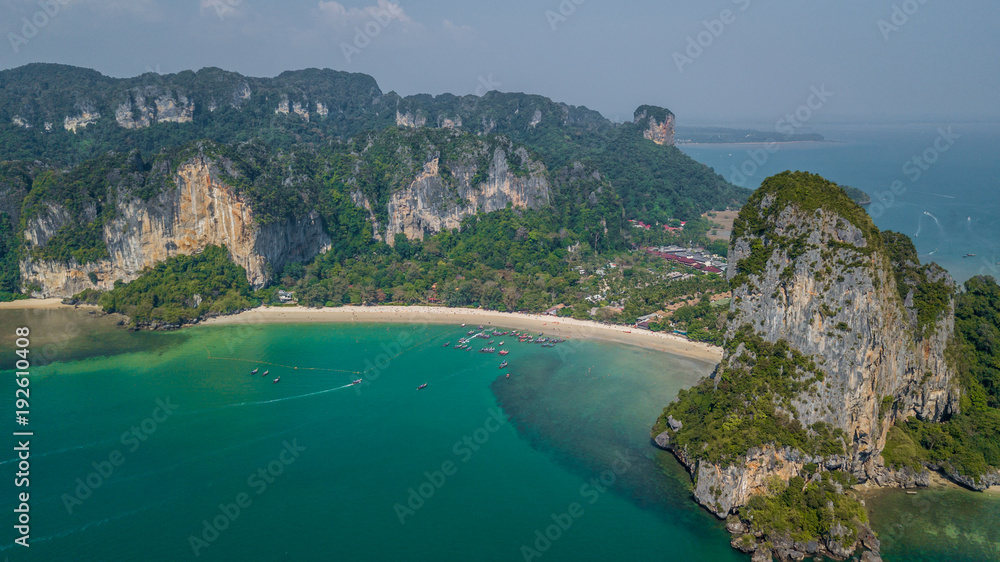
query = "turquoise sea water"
{"x": 952, "y": 208}
{"x": 573, "y": 461}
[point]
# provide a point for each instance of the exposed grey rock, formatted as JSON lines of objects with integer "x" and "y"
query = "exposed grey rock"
{"x": 985, "y": 481}
{"x": 904, "y": 477}
{"x": 663, "y": 440}
{"x": 831, "y": 296}
{"x": 878, "y": 355}
{"x": 199, "y": 210}
{"x": 869, "y": 540}
{"x": 744, "y": 543}
{"x": 433, "y": 201}
{"x": 870, "y": 557}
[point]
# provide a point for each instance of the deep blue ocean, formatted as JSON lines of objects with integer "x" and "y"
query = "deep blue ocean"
{"x": 939, "y": 183}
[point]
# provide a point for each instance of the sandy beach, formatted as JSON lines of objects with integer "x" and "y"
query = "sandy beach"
{"x": 36, "y": 304}
{"x": 567, "y": 328}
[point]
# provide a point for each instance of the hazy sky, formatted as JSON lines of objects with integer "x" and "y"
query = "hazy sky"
{"x": 727, "y": 61}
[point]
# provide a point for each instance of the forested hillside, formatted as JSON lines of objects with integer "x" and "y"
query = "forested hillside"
{"x": 83, "y": 153}
{"x": 64, "y": 115}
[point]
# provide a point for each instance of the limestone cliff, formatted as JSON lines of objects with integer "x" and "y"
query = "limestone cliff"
{"x": 429, "y": 205}
{"x": 455, "y": 176}
{"x": 812, "y": 275}
{"x": 77, "y": 98}
{"x": 657, "y": 124}
{"x": 197, "y": 208}
{"x": 89, "y": 226}
{"x": 143, "y": 107}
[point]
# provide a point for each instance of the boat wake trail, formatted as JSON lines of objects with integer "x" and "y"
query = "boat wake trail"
{"x": 348, "y": 385}
{"x": 242, "y": 404}
{"x": 90, "y": 525}
{"x": 63, "y": 450}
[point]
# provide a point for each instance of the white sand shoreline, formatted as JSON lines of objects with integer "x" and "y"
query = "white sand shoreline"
{"x": 562, "y": 327}
{"x": 38, "y": 304}
{"x": 568, "y": 328}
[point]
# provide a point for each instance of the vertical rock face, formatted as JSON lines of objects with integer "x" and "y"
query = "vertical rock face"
{"x": 200, "y": 210}
{"x": 150, "y": 105}
{"x": 818, "y": 276}
{"x": 658, "y": 124}
{"x": 436, "y": 201}
{"x": 410, "y": 120}
{"x": 80, "y": 121}
{"x": 835, "y": 298}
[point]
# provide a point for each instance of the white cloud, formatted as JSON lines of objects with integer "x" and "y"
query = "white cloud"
{"x": 458, "y": 31}
{"x": 222, "y": 8}
{"x": 384, "y": 12}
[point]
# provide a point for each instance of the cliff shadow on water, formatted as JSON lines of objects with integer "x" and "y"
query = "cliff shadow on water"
{"x": 590, "y": 408}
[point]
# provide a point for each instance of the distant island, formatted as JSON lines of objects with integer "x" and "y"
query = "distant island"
{"x": 722, "y": 135}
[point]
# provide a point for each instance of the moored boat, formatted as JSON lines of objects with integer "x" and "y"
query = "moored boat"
{"x": 504, "y": 364}
{"x": 421, "y": 387}
{"x": 265, "y": 373}
{"x": 276, "y": 380}
{"x": 254, "y": 372}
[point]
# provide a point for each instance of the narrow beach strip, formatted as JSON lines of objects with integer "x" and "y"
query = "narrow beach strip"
{"x": 566, "y": 328}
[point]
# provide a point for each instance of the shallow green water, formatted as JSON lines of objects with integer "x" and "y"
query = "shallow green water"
{"x": 577, "y": 413}
{"x": 937, "y": 524}
{"x": 341, "y": 490}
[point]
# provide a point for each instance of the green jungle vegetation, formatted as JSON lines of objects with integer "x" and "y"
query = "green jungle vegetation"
{"x": 507, "y": 260}
{"x": 656, "y": 183}
{"x": 746, "y": 404}
{"x": 286, "y": 166}
{"x": 808, "y": 193}
{"x": 10, "y": 274}
{"x": 704, "y": 321}
{"x": 931, "y": 287}
{"x": 969, "y": 442}
{"x": 807, "y": 507}
{"x": 181, "y": 289}
{"x": 527, "y": 255}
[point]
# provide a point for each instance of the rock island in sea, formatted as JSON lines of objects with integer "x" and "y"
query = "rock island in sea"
{"x": 827, "y": 346}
